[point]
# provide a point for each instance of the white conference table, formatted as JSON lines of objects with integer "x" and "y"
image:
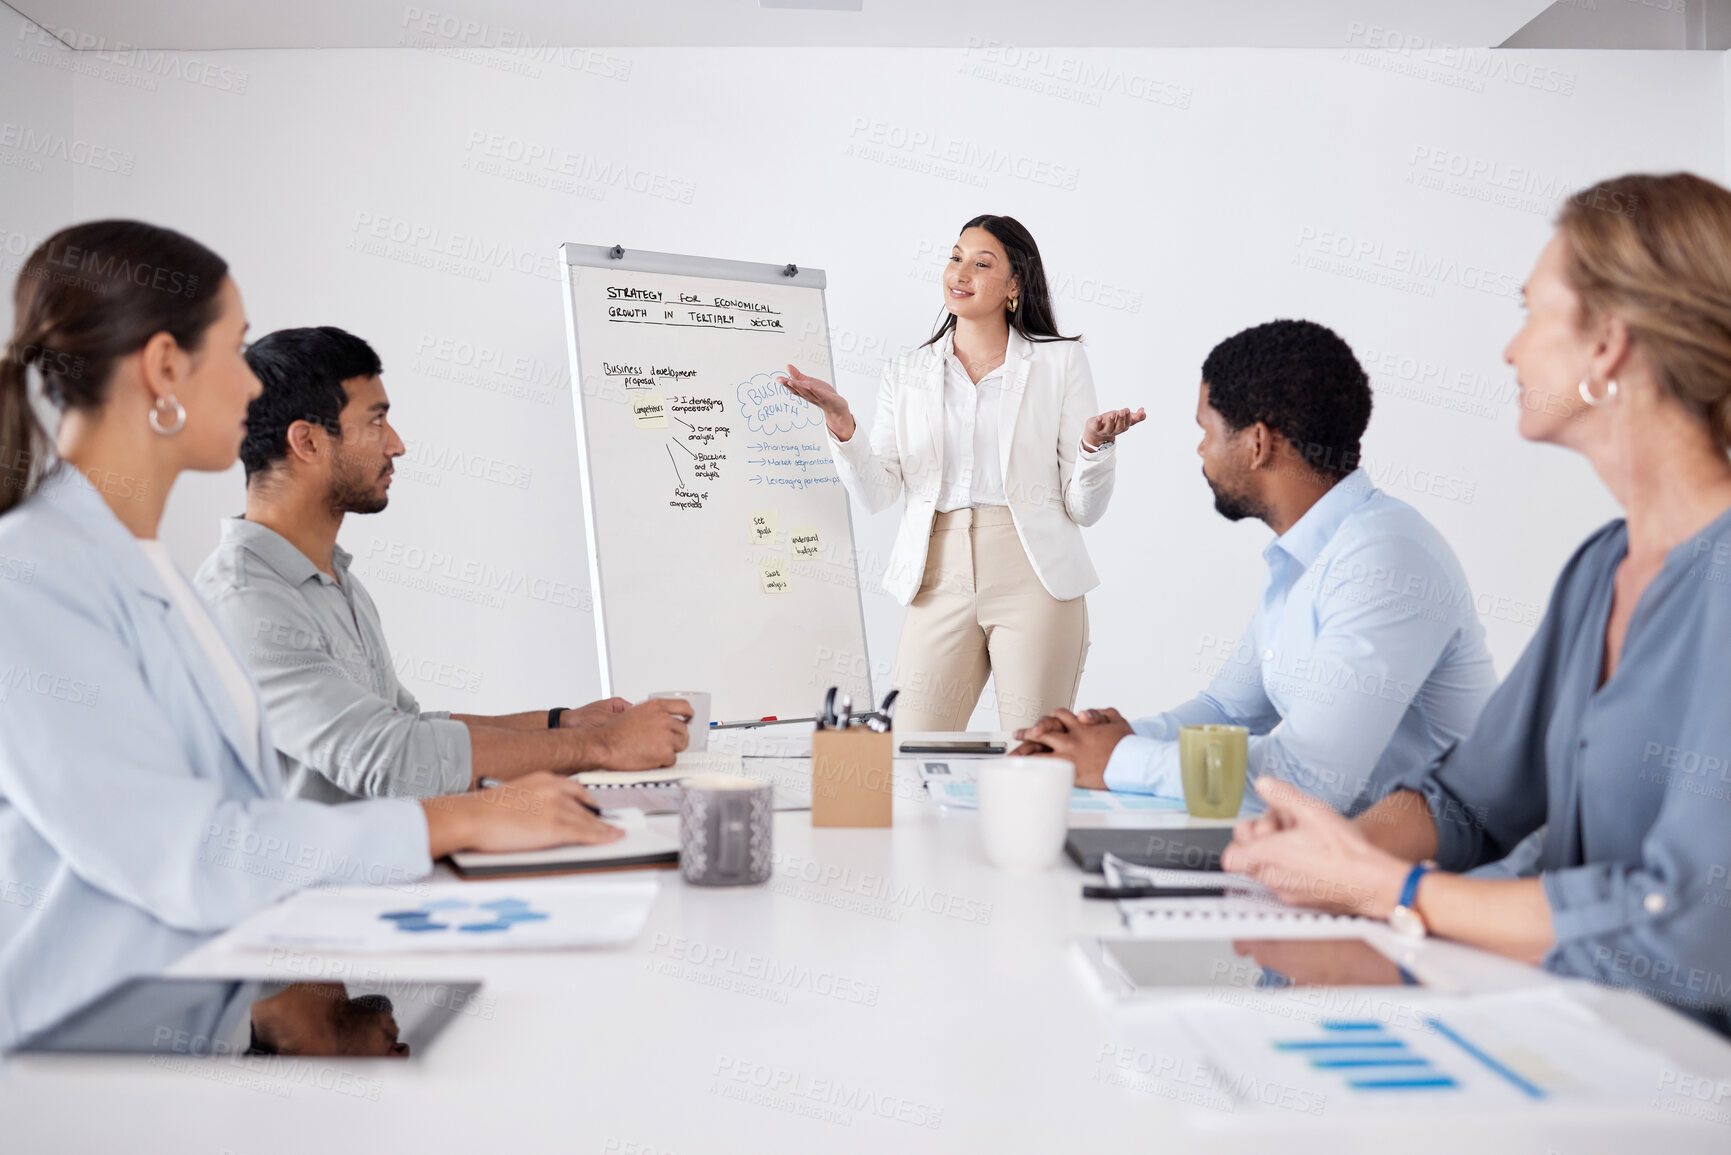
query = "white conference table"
{"x": 949, "y": 991}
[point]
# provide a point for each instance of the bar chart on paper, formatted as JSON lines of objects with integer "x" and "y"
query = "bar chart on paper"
{"x": 1366, "y": 1056}
{"x": 1382, "y": 1054}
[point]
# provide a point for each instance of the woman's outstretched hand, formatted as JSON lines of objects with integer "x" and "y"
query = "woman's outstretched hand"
{"x": 1108, "y": 425}
{"x": 836, "y": 413}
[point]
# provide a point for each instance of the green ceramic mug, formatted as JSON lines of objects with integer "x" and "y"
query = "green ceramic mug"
{"x": 1213, "y": 760}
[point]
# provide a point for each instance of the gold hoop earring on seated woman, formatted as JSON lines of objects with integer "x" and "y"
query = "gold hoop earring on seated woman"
{"x": 162, "y": 406}
{"x": 1012, "y": 304}
{"x": 1597, "y": 402}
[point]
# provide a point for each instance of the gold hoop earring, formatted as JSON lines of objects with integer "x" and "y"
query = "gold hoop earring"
{"x": 162, "y": 406}
{"x": 1012, "y": 304}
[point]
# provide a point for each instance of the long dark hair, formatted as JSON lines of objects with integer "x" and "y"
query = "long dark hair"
{"x": 1033, "y": 316}
{"x": 88, "y": 296}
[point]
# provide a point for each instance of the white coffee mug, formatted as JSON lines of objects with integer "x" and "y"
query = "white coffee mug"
{"x": 1024, "y": 810}
{"x": 699, "y": 723}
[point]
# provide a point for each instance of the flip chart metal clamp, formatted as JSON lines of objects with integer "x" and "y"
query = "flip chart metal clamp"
{"x": 617, "y": 252}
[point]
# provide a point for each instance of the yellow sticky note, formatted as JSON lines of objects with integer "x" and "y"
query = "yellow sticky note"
{"x": 648, "y": 409}
{"x": 803, "y": 541}
{"x": 772, "y": 574}
{"x": 762, "y": 526}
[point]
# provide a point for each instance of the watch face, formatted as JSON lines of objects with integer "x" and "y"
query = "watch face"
{"x": 1405, "y": 921}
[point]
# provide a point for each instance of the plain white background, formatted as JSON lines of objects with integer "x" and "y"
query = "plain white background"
{"x": 416, "y": 196}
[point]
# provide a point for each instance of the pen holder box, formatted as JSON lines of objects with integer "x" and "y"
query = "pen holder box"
{"x": 851, "y": 777}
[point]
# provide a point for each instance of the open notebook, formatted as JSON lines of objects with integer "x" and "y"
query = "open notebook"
{"x": 639, "y": 849}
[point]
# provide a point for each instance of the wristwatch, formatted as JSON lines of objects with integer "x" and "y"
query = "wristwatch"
{"x": 1404, "y": 919}
{"x": 553, "y": 717}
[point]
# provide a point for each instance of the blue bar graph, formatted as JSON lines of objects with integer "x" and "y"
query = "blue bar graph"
{"x": 1368, "y": 1058}
{"x": 1430, "y": 1083}
{"x": 1391, "y": 1061}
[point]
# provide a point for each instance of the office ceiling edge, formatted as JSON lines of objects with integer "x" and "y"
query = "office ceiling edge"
{"x": 219, "y": 25}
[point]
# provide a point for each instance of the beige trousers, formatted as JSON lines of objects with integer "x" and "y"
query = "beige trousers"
{"x": 982, "y": 611}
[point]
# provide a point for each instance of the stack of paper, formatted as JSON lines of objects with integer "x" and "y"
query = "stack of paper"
{"x": 784, "y": 741}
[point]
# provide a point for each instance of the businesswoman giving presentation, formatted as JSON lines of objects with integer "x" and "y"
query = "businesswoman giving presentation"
{"x": 989, "y": 433}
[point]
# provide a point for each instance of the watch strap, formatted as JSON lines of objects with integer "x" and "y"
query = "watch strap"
{"x": 1409, "y": 892}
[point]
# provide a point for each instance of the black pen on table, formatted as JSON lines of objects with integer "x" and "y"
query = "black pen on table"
{"x": 1153, "y": 892}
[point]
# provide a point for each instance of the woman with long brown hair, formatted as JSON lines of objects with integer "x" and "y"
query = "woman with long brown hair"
{"x": 1611, "y": 733}
{"x": 141, "y": 806}
{"x": 990, "y": 431}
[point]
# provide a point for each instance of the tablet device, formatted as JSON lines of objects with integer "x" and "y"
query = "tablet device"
{"x": 1137, "y": 966}
{"x": 237, "y": 1019}
{"x": 1171, "y": 847}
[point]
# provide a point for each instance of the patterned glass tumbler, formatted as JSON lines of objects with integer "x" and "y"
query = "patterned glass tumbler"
{"x": 725, "y": 825}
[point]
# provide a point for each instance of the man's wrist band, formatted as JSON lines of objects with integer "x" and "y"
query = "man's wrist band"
{"x": 553, "y": 717}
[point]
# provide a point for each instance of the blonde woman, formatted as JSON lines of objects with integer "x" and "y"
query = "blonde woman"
{"x": 1611, "y": 731}
{"x": 989, "y": 429}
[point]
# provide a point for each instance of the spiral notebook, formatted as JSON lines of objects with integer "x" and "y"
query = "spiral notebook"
{"x": 1249, "y": 907}
{"x": 657, "y": 791}
{"x": 654, "y": 791}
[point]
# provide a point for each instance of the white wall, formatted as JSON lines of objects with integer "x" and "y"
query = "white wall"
{"x": 1222, "y": 197}
{"x": 39, "y": 151}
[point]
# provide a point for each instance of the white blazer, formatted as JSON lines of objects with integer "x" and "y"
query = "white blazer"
{"x": 1053, "y": 485}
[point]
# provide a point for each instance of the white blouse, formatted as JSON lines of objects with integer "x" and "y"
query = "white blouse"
{"x": 1051, "y": 482}
{"x": 972, "y": 476}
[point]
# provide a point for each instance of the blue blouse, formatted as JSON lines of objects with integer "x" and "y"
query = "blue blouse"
{"x": 1630, "y": 780}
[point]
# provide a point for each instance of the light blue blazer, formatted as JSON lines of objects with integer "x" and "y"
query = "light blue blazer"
{"x": 136, "y": 818}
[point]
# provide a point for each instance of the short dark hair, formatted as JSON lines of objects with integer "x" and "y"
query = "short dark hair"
{"x": 302, "y": 371}
{"x": 1301, "y": 380}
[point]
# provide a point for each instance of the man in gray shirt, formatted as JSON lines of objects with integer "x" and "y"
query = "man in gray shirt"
{"x": 319, "y": 446}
